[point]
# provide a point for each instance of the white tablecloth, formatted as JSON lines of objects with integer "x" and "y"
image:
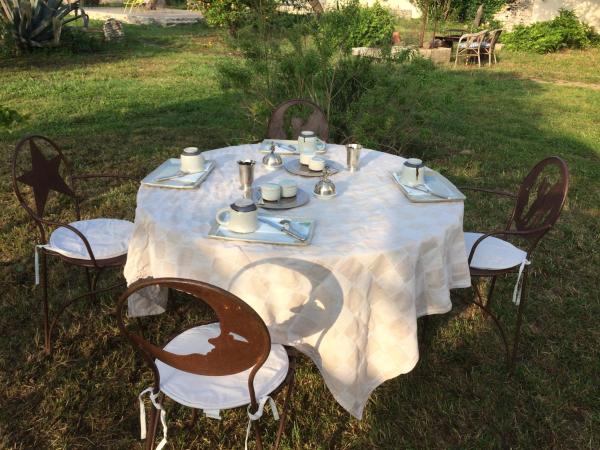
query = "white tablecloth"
{"x": 349, "y": 300}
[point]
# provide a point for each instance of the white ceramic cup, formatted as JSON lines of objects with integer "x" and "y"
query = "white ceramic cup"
{"x": 307, "y": 142}
{"x": 240, "y": 217}
{"x": 316, "y": 163}
{"x": 305, "y": 157}
{"x": 413, "y": 172}
{"x": 270, "y": 192}
{"x": 192, "y": 160}
{"x": 289, "y": 188}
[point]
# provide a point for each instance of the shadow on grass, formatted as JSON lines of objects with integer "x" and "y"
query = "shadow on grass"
{"x": 140, "y": 41}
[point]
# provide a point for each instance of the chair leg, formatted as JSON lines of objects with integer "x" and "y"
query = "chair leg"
{"x": 513, "y": 356}
{"x": 45, "y": 312}
{"x": 479, "y": 302}
{"x": 479, "y": 59}
{"x": 154, "y": 419}
{"x": 257, "y": 434}
{"x": 284, "y": 413}
{"x": 488, "y": 302}
{"x": 91, "y": 284}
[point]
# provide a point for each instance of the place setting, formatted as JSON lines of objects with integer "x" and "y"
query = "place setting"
{"x": 186, "y": 172}
{"x": 420, "y": 184}
{"x": 289, "y": 147}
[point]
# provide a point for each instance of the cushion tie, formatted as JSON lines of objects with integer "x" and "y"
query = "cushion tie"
{"x": 163, "y": 416}
{"x": 519, "y": 283}
{"x": 258, "y": 414}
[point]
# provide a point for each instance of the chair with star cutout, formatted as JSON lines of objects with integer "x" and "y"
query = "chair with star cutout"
{"x": 212, "y": 366}
{"x": 93, "y": 244}
{"x": 538, "y": 205}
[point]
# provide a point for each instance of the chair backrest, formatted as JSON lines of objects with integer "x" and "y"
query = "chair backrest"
{"x": 31, "y": 167}
{"x": 493, "y": 37}
{"x": 244, "y": 341}
{"x": 317, "y": 121}
{"x": 541, "y": 197}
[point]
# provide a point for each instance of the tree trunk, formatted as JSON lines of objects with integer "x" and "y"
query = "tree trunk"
{"x": 424, "y": 15}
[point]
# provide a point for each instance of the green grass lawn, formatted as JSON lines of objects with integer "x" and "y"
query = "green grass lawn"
{"x": 132, "y": 105}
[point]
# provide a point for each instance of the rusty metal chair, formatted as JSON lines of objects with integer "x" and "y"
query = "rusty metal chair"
{"x": 317, "y": 121}
{"x": 214, "y": 366}
{"x": 94, "y": 244}
{"x": 538, "y": 205}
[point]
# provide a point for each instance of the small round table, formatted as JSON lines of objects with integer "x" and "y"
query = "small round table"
{"x": 350, "y": 300}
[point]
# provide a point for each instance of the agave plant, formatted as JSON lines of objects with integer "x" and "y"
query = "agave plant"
{"x": 38, "y": 23}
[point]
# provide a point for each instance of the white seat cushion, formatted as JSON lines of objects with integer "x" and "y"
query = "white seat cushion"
{"x": 108, "y": 238}
{"x": 218, "y": 392}
{"x": 493, "y": 253}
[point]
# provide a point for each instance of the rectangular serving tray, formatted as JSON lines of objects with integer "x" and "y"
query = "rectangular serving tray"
{"x": 170, "y": 167}
{"x": 265, "y": 146}
{"x": 436, "y": 182}
{"x": 266, "y": 234}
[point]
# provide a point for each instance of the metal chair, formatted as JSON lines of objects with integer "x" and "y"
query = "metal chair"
{"x": 469, "y": 46}
{"x": 94, "y": 244}
{"x": 317, "y": 121}
{"x": 538, "y": 205}
{"x": 216, "y": 366}
{"x": 488, "y": 46}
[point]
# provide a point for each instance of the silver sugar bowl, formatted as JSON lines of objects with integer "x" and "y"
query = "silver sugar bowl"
{"x": 272, "y": 161}
{"x": 325, "y": 187}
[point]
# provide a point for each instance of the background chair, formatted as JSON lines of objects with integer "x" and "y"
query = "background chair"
{"x": 488, "y": 46}
{"x": 316, "y": 121}
{"x": 538, "y": 205}
{"x": 94, "y": 244}
{"x": 469, "y": 46}
{"x": 214, "y": 366}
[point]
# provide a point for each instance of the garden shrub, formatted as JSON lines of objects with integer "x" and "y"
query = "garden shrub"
{"x": 353, "y": 25}
{"x": 8, "y": 45}
{"x": 280, "y": 61}
{"x": 78, "y": 40}
{"x": 564, "y": 31}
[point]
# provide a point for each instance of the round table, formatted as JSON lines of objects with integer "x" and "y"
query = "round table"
{"x": 350, "y": 300}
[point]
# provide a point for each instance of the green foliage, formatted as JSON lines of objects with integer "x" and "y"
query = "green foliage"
{"x": 466, "y": 9}
{"x": 564, "y": 31}
{"x": 353, "y": 25}
{"x": 231, "y": 14}
{"x": 37, "y": 23}
{"x": 8, "y": 118}
{"x": 78, "y": 40}
{"x": 8, "y": 46}
{"x": 282, "y": 60}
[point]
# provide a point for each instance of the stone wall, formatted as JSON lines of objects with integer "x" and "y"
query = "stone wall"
{"x": 526, "y": 12}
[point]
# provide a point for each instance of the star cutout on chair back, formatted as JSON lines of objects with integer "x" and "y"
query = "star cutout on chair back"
{"x": 44, "y": 177}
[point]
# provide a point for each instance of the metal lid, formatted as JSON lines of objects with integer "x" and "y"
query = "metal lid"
{"x": 325, "y": 186}
{"x": 191, "y": 151}
{"x": 243, "y": 205}
{"x": 272, "y": 159}
{"x": 414, "y": 163}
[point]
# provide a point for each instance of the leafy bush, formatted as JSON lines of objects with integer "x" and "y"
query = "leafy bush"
{"x": 232, "y": 14}
{"x": 282, "y": 60}
{"x": 78, "y": 40}
{"x": 564, "y": 31}
{"x": 8, "y": 46}
{"x": 353, "y": 25}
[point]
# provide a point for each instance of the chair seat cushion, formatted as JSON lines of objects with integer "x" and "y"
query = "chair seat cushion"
{"x": 474, "y": 45}
{"x": 493, "y": 253}
{"x": 217, "y": 392}
{"x": 108, "y": 238}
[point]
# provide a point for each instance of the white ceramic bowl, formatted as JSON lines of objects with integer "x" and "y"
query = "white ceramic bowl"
{"x": 305, "y": 157}
{"x": 316, "y": 163}
{"x": 270, "y": 192}
{"x": 289, "y": 188}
